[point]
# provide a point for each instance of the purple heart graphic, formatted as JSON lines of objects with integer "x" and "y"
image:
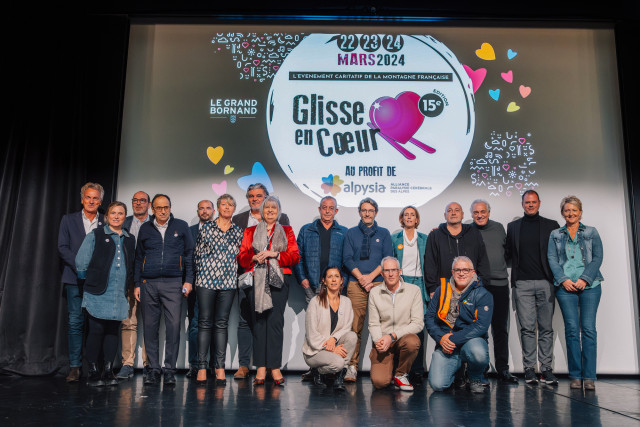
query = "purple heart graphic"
{"x": 398, "y": 118}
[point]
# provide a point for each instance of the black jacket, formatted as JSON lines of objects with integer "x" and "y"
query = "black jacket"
{"x": 511, "y": 252}
{"x": 442, "y": 248}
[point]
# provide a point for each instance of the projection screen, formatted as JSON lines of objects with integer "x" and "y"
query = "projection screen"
{"x": 421, "y": 115}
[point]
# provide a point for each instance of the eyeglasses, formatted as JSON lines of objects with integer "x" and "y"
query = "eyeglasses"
{"x": 368, "y": 211}
{"x": 161, "y": 208}
{"x": 134, "y": 201}
{"x": 462, "y": 270}
{"x": 390, "y": 270}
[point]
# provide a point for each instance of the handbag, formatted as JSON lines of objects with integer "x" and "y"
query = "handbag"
{"x": 245, "y": 280}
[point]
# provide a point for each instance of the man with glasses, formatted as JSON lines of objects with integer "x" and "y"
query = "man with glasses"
{"x": 395, "y": 318}
{"x": 163, "y": 252}
{"x": 73, "y": 229}
{"x": 365, "y": 245}
{"x": 458, "y": 319}
{"x": 140, "y": 208}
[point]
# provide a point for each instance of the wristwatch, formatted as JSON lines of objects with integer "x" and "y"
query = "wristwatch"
{"x": 392, "y": 338}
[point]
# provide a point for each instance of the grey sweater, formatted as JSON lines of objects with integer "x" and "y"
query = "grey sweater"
{"x": 494, "y": 238}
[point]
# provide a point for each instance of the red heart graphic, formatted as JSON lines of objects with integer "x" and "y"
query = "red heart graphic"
{"x": 398, "y": 118}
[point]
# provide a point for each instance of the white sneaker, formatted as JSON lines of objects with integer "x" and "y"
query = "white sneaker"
{"x": 352, "y": 374}
{"x": 402, "y": 382}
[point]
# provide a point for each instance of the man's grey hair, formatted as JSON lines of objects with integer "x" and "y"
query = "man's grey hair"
{"x": 446, "y": 208}
{"x": 93, "y": 186}
{"x": 270, "y": 200}
{"x": 387, "y": 258}
{"x": 462, "y": 258}
{"x": 476, "y": 201}
{"x": 256, "y": 186}
{"x": 370, "y": 201}
{"x": 329, "y": 198}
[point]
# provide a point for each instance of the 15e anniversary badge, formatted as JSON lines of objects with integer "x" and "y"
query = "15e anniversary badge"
{"x": 386, "y": 116}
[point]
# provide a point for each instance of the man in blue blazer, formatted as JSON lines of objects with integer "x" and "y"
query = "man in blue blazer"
{"x": 73, "y": 229}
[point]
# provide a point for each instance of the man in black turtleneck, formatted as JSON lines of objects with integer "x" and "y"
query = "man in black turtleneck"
{"x": 532, "y": 283}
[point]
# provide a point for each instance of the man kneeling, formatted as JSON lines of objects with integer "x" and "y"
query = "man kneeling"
{"x": 458, "y": 319}
{"x": 395, "y": 317}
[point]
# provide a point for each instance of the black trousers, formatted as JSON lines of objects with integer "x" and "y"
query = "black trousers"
{"x": 214, "y": 307}
{"x": 268, "y": 329}
{"x": 162, "y": 296}
{"x": 103, "y": 336}
{"x": 500, "y": 325}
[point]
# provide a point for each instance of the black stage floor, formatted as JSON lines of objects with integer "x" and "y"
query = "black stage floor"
{"x": 52, "y": 402}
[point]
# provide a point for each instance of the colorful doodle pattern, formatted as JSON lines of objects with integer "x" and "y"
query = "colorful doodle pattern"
{"x": 257, "y": 56}
{"x": 507, "y": 166}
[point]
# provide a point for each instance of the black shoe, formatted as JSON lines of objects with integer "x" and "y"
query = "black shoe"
{"x": 461, "y": 380}
{"x": 547, "y": 377}
{"x": 308, "y": 376}
{"x": 169, "y": 378}
{"x": 152, "y": 378}
{"x": 530, "y": 376}
{"x": 221, "y": 382}
{"x": 318, "y": 379}
{"x": 506, "y": 377}
{"x": 95, "y": 378}
{"x": 416, "y": 379}
{"x": 108, "y": 377}
{"x": 146, "y": 370}
{"x": 338, "y": 382}
{"x": 193, "y": 372}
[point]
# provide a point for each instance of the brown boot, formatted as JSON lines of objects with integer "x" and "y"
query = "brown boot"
{"x": 242, "y": 373}
{"x": 74, "y": 375}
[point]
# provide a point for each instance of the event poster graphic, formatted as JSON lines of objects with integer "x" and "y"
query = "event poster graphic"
{"x": 385, "y": 116}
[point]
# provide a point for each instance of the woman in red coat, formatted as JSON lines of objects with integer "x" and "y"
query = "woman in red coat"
{"x": 270, "y": 250}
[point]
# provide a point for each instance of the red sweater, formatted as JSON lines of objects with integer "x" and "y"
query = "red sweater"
{"x": 287, "y": 259}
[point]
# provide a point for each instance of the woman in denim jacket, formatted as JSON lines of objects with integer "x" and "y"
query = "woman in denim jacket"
{"x": 575, "y": 257}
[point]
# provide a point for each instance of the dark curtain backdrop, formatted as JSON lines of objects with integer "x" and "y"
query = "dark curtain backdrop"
{"x": 64, "y": 100}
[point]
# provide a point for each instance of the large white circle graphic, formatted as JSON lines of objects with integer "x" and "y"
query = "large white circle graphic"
{"x": 384, "y": 116}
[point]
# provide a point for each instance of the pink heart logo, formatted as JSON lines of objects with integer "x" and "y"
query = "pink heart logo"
{"x": 398, "y": 118}
{"x": 508, "y": 193}
{"x": 518, "y": 185}
{"x": 506, "y": 167}
{"x": 219, "y": 189}
{"x": 522, "y": 140}
{"x": 507, "y": 77}
{"x": 246, "y": 70}
{"x": 256, "y": 62}
{"x": 525, "y": 91}
{"x": 477, "y": 76}
{"x": 484, "y": 175}
{"x": 275, "y": 67}
{"x": 245, "y": 45}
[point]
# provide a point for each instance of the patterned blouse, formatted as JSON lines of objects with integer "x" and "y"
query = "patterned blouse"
{"x": 215, "y": 254}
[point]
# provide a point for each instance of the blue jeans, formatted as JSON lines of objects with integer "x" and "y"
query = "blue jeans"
{"x": 579, "y": 312}
{"x": 444, "y": 366}
{"x": 76, "y": 324}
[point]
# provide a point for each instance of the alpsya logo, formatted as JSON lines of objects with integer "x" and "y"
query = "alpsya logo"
{"x": 331, "y": 184}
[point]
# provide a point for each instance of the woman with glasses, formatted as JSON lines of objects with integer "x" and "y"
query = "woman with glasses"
{"x": 409, "y": 247}
{"x": 575, "y": 257}
{"x": 269, "y": 250}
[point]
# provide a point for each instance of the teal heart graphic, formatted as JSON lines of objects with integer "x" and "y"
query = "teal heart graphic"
{"x": 511, "y": 54}
{"x": 495, "y": 94}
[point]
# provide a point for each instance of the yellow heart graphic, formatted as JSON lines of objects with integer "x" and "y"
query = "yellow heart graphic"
{"x": 486, "y": 52}
{"x": 512, "y": 107}
{"x": 228, "y": 169}
{"x": 215, "y": 154}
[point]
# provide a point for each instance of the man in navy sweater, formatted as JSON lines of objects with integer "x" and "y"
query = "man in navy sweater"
{"x": 163, "y": 252}
{"x": 364, "y": 247}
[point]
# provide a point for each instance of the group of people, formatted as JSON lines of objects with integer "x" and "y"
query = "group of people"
{"x": 453, "y": 282}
